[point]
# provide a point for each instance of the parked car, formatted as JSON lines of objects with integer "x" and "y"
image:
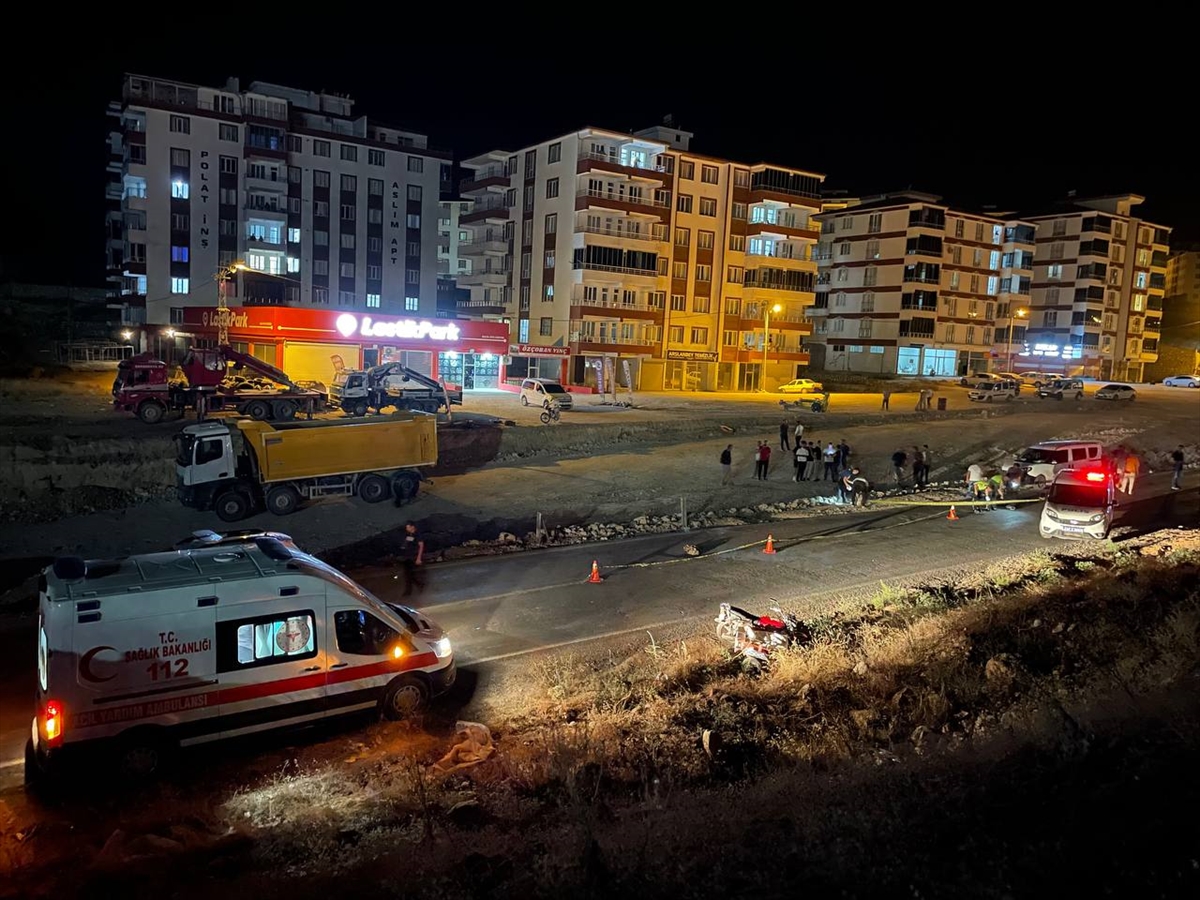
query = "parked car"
{"x": 998, "y": 389}
{"x": 540, "y": 391}
{"x": 1061, "y": 387}
{"x": 1035, "y": 378}
{"x": 1192, "y": 381}
{"x": 976, "y": 378}
{"x": 1116, "y": 392}
{"x": 1012, "y": 376}
{"x": 801, "y": 386}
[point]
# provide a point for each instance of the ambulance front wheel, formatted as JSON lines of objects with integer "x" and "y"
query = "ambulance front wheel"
{"x": 405, "y": 697}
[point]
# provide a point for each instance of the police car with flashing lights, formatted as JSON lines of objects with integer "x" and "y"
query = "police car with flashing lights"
{"x": 223, "y": 636}
{"x": 1079, "y": 505}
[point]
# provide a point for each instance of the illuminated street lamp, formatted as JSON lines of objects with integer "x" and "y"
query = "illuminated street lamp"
{"x": 222, "y": 275}
{"x": 767, "y": 339}
{"x": 126, "y": 335}
{"x": 1020, "y": 314}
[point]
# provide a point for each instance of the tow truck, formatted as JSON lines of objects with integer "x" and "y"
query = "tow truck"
{"x": 217, "y": 379}
{"x": 356, "y": 391}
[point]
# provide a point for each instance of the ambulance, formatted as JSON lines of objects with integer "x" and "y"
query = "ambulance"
{"x": 223, "y": 636}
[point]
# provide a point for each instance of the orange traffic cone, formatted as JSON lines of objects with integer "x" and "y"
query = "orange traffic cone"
{"x": 952, "y": 515}
{"x": 770, "y": 548}
{"x": 595, "y": 578}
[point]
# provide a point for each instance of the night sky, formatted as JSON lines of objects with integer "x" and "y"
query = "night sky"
{"x": 985, "y": 139}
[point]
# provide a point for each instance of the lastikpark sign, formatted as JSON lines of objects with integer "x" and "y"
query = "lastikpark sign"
{"x": 350, "y": 325}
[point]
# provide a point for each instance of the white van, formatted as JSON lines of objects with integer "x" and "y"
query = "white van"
{"x": 1041, "y": 462}
{"x": 1079, "y": 505}
{"x": 996, "y": 389}
{"x": 540, "y": 391}
{"x": 224, "y": 636}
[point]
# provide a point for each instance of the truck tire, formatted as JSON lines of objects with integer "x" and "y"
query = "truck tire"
{"x": 232, "y": 506}
{"x": 404, "y": 697}
{"x": 285, "y": 410}
{"x": 151, "y": 412}
{"x": 358, "y": 409}
{"x": 373, "y": 488}
{"x": 283, "y": 500}
{"x": 258, "y": 409}
{"x": 405, "y": 486}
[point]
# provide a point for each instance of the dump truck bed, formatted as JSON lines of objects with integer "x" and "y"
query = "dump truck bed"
{"x": 292, "y": 450}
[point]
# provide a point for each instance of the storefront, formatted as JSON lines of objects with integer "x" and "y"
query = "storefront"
{"x": 314, "y": 344}
{"x": 536, "y": 361}
{"x": 690, "y": 370}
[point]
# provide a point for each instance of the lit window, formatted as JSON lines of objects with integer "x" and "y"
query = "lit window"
{"x": 293, "y": 264}
{"x": 179, "y": 190}
{"x": 523, "y": 332}
{"x": 372, "y": 301}
{"x": 293, "y": 235}
{"x": 179, "y": 285}
{"x": 411, "y": 304}
{"x": 179, "y": 254}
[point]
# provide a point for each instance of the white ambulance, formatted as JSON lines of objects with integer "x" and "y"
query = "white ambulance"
{"x": 223, "y": 636}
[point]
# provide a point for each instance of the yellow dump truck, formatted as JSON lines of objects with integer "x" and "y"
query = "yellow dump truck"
{"x": 243, "y": 467}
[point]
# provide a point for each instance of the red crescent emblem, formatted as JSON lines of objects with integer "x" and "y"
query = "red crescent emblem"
{"x": 85, "y": 665}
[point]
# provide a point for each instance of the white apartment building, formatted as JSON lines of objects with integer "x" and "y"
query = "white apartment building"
{"x": 688, "y": 272}
{"x": 1099, "y": 282}
{"x": 327, "y": 209}
{"x": 909, "y": 286}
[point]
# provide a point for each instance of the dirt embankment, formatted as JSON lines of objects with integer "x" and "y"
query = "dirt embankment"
{"x": 978, "y": 736}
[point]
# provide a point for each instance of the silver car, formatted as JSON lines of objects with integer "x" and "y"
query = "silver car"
{"x": 1116, "y": 392}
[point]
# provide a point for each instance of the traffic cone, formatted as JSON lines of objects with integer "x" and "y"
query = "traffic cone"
{"x": 952, "y": 515}
{"x": 770, "y": 548}
{"x": 595, "y": 578}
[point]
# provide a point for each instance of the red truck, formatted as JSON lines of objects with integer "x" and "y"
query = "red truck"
{"x": 218, "y": 379}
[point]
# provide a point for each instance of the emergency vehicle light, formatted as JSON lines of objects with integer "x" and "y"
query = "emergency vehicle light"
{"x": 1095, "y": 476}
{"x": 52, "y": 717}
{"x": 397, "y": 652}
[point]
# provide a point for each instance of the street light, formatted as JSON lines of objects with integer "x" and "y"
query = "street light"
{"x": 1020, "y": 314}
{"x": 767, "y": 339}
{"x": 222, "y": 275}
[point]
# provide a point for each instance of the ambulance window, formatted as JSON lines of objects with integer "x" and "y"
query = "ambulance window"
{"x": 361, "y": 634}
{"x": 208, "y": 451}
{"x": 258, "y": 642}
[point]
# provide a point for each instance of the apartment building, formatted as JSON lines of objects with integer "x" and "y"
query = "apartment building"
{"x": 326, "y": 209}
{"x": 1099, "y": 283}
{"x": 687, "y": 272}
{"x": 909, "y": 286}
{"x": 451, "y": 265}
{"x": 1179, "y": 344}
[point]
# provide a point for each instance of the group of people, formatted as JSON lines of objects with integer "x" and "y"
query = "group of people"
{"x": 986, "y": 489}
{"x": 810, "y": 461}
{"x": 921, "y": 460}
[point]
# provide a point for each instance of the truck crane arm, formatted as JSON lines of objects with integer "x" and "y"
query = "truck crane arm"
{"x": 257, "y": 365}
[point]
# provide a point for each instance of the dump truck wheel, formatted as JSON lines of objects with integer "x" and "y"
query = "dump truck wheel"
{"x": 285, "y": 410}
{"x": 405, "y": 486}
{"x": 151, "y": 412}
{"x": 259, "y": 409}
{"x": 373, "y": 488}
{"x": 232, "y": 506}
{"x": 358, "y": 410}
{"x": 283, "y": 499}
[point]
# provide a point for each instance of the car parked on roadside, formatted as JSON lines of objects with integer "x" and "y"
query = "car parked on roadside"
{"x": 540, "y": 391}
{"x": 801, "y": 386}
{"x": 1061, "y": 387}
{"x": 998, "y": 389}
{"x": 976, "y": 378}
{"x": 1189, "y": 381}
{"x": 1036, "y": 378}
{"x": 1116, "y": 392}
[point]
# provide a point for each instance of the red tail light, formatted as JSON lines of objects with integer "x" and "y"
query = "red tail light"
{"x": 52, "y": 721}
{"x": 1096, "y": 476}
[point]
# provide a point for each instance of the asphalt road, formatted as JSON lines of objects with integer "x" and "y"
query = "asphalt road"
{"x": 499, "y": 609}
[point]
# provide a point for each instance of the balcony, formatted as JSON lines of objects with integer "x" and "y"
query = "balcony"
{"x": 483, "y": 247}
{"x": 1158, "y": 260}
{"x": 614, "y": 270}
{"x": 265, "y": 182}
{"x": 778, "y": 280}
{"x": 483, "y": 278}
{"x": 486, "y": 209}
{"x": 755, "y": 355}
{"x": 612, "y": 200}
{"x": 624, "y": 234}
{"x": 1158, "y": 282}
{"x": 264, "y": 206}
{"x": 789, "y": 185}
{"x": 613, "y": 307}
{"x": 594, "y": 342}
{"x": 493, "y": 176}
{"x": 786, "y": 258}
{"x": 788, "y": 227}
{"x": 591, "y": 162}
{"x": 481, "y": 308}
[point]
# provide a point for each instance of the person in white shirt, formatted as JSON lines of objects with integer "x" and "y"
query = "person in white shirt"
{"x": 799, "y": 433}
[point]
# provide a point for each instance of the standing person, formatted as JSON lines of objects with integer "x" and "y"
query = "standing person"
{"x": 814, "y": 455}
{"x": 843, "y": 454}
{"x": 758, "y": 461}
{"x": 1118, "y": 461}
{"x": 412, "y": 557}
{"x": 845, "y": 486}
{"x": 1129, "y": 473}
{"x": 766, "y": 459}
{"x": 830, "y": 457}
{"x": 727, "y": 464}
{"x": 801, "y": 457}
{"x": 887, "y": 398}
{"x": 926, "y": 464}
{"x": 784, "y": 431}
{"x": 918, "y": 468}
{"x": 899, "y": 458}
{"x": 974, "y": 474}
{"x": 1177, "y": 465}
{"x": 799, "y": 432}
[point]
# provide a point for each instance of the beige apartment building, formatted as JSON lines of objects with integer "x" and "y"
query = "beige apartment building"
{"x": 685, "y": 271}
{"x": 909, "y": 286}
{"x": 1099, "y": 283}
{"x": 1179, "y": 345}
